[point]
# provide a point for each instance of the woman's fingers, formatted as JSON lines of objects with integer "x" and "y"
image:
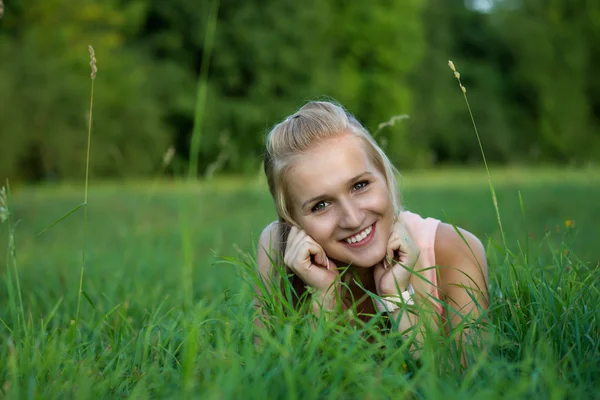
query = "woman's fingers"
{"x": 320, "y": 257}
{"x": 301, "y": 250}
{"x": 400, "y": 246}
{"x": 312, "y": 249}
{"x": 290, "y": 239}
{"x": 389, "y": 257}
{"x": 395, "y": 250}
{"x": 401, "y": 258}
{"x": 291, "y": 248}
{"x": 308, "y": 260}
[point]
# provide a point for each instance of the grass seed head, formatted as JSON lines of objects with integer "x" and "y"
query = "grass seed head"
{"x": 457, "y": 76}
{"x": 1, "y": 9}
{"x": 451, "y": 64}
{"x": 3, "y": 205}
{"x": 92, "y": 61}
{"x": 168, "y": 156}
{"x": 392, "y": 121}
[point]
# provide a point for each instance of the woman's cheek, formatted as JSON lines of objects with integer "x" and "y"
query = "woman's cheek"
{"x": 319, "y": 228}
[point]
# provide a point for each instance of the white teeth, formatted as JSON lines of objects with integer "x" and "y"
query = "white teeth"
{"x": 360, "y": 236}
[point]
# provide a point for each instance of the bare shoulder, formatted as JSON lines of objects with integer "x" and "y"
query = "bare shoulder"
{"x": 463, "y": 254}
{"x": 268, "y": 245}
{"x": 463, "y": 272}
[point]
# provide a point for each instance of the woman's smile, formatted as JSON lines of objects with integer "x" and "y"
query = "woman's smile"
{"x": 361, "y": 239}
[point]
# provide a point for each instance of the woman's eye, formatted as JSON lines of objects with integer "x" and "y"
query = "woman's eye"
{"x": 360, "y": 185}
{"x": 319, "y": 206}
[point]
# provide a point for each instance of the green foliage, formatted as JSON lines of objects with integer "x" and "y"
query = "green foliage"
{"x": 377, "y": 52}
{"x": 271, "y": 57}
{"x": 46, "y": 89}
{"x": 529, "y": 68}
{"x": 440, "y": 122}
{"x": 553, "y": 69}
{"x": 268, "y": 58}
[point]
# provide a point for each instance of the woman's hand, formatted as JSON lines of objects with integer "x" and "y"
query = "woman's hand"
{"x": 393, "y": 273}
{"x": 307, "y": 259}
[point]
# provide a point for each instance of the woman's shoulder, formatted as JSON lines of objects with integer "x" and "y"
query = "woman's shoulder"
{"x": 268, "y": 246}
{"x": 445, "y": 244}
{"x": 269, "y": 236}
{"x": 453, "y": 244}
{"x": 433, "y": 233}
{"x": 463, "y": 256}
{"x": 413, "y": 217}
{"x": 423, "y": 230}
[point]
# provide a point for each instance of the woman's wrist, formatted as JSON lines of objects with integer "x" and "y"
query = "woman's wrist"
{"x": 398, "y": 288}
{"x": 391, "y": 303}
{"x": 328, "y": 298}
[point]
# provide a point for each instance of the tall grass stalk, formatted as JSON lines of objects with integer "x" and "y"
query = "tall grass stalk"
{"x": 17, "y": 312}
{"x": 492, "y": 190}
{"x": 202, "y": 89}
{"x": 94, "y": 69}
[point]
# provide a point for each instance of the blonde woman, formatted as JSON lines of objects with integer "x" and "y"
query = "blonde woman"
{"x": 339, "y": 207}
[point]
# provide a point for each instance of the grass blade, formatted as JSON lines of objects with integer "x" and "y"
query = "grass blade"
{"x": 202, "y": 89}
{"x": 61, "y": 219}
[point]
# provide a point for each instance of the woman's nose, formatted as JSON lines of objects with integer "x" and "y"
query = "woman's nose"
{"x": 352, "y": 216}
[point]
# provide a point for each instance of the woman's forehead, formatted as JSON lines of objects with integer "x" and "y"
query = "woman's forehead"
{"x": 328, "y": 165}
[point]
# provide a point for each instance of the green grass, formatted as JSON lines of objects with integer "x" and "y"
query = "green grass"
{"x": 165, "y": 315}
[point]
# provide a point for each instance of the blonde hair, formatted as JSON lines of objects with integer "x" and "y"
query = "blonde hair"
{"x": 310, "y": 125}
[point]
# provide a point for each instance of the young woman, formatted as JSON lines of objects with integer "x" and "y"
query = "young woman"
{"x": 339, "y": 207}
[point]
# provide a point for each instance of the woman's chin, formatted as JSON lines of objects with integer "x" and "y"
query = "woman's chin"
{"x": 366, "y": 257}
{"x": 366, "y": 261}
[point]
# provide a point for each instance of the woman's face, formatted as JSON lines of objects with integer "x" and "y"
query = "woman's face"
{"x": 341, "y": 200}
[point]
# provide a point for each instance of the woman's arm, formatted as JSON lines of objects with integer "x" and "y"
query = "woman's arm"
{"x": 395, "y": 275}
{"x": 463, "y": 281}
{"x": 415, "y": 319}
{"x": 463, "y": 276}
{"x": 267, "y": 251}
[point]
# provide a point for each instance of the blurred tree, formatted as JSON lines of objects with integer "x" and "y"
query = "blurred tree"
{"x": 272, "y": 56}
{"x": 376, "y": 45}
{"x": 45, "y": 88}
{"x": 442, "y": 124}
{"x": 554, "y": 46}
{"x": 529, "y": 68}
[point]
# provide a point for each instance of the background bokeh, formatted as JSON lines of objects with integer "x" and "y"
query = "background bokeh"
{"x": 529, "y": 68}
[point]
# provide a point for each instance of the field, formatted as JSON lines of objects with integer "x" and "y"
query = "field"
{"x": 166, "y": 309}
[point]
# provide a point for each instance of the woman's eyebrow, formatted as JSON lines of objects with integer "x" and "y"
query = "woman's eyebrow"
{"x": 350, "y": 181}
{"x": 357, "y": 177}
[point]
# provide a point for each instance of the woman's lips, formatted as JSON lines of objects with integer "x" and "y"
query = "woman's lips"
{"x": 363, "y": 242}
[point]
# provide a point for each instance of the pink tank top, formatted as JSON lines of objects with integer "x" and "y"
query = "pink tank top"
{"x": 423, "y": 231}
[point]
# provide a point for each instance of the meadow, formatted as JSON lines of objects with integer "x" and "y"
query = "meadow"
{"x": 166, "y": 304}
